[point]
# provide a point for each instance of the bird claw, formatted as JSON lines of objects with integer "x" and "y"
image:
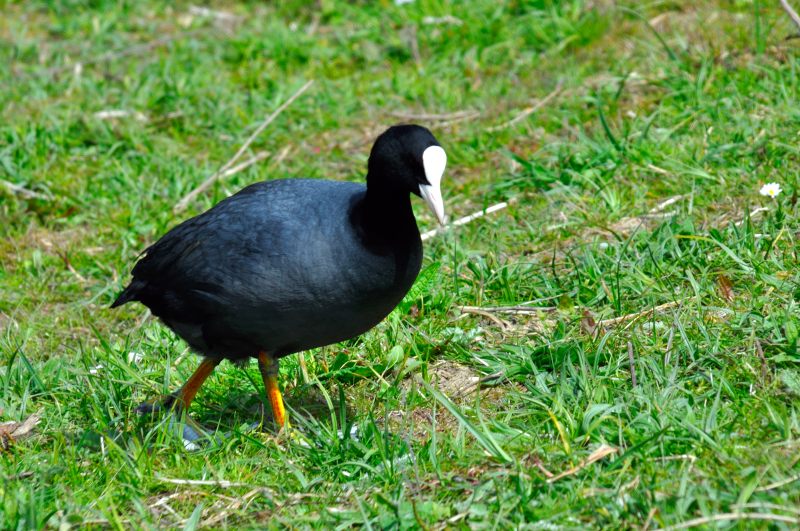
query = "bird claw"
{"x": 159, "y": 403}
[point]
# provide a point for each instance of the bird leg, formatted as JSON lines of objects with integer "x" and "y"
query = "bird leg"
{"x": 269, "y": 373}
{"x": 182, "y": 398}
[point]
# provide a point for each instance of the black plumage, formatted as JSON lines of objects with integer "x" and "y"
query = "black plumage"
{"x": 288, "y": 265}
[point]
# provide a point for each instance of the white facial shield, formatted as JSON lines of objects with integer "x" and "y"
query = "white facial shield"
{"x": 434, "y": 161}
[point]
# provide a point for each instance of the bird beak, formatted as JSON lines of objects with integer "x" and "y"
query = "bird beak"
{"x": 434, "y": 161}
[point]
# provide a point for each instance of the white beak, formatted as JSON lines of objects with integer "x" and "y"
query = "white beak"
{"x": 434, "y": 161}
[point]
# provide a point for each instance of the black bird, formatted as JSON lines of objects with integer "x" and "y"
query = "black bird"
{"x": 292, "y": 264}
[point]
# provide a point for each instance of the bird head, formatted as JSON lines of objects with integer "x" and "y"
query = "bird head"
{"x": 409, "y": 159}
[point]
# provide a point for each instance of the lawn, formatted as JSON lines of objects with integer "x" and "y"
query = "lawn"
{"x": 617, "y": 348}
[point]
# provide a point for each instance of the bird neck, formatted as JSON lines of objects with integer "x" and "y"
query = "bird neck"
{"x": 384, "y": 214}
{"x": 391, "y": 205}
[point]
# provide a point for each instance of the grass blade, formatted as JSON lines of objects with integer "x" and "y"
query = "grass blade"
{"x": 484, "y": 439}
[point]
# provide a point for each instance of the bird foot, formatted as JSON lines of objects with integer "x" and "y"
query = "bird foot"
{"x": 190, "y": 431}
{"x": 180, "y": 423}
{"x": 159, "y": 403}
{"x": 292, "y": 435}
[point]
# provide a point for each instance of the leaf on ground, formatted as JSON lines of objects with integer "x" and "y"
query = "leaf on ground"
{"x": 588, "y": 324}
{"x": 15, "y": 431}
{"x": 602, "y": 451}
{"x": 725, "y": 288}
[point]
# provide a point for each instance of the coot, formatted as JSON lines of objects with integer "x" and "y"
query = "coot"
{"x": 293, "y": 264}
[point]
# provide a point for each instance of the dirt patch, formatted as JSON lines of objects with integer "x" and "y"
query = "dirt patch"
{"x": 499, "y": 326}
{"x": 452, "y": 378}
{"x": 311, "y": 402}
{"x": 460, "y": 384}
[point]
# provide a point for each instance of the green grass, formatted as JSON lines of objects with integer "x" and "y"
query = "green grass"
{"x": 656, "y": 101}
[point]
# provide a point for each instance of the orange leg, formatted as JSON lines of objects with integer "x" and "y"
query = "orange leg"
{"x": 183, "y": 397}
{"x": 187, "y": 393}
{"x": 269, "y": 373}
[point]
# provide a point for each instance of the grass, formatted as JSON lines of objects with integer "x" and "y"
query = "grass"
{"x": 657, "y": 101}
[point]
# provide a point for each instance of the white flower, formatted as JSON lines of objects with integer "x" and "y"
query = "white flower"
{"x": 770, "y": 189}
